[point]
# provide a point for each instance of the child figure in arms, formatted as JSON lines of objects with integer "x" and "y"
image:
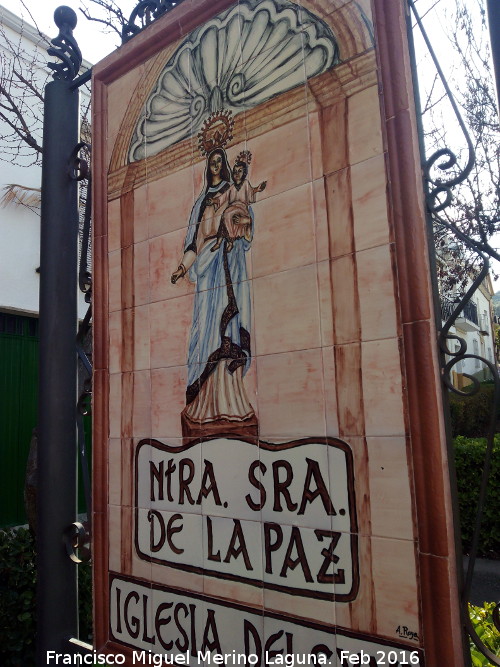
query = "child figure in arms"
{"x": 236, "y": 221}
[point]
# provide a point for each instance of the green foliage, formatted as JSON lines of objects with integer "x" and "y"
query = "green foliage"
{"x": 470, "y": 454}
{"x": 482, "y": 621}
{"x": 17, "y": 599}
{"x": 470, "y": 415}
{"x": 85, "y": 602}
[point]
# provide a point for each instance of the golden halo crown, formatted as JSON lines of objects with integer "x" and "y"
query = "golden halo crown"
{"x": 216, "y": 132}
{"x": 244, "y": 156}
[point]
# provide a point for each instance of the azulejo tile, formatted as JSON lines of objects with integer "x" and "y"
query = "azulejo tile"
{"x": 284, "y": 231}
{"x": 170, "y": 326}
{"x": 291, "y": 395}
{"x": 369, "y": 203}
{"x": 383, "y": 388}
{"x": 376, "y": 292}
{"x": 287, "y": 311}
{"x": 365, "y": 125}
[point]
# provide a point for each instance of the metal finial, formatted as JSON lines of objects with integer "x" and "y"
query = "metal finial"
{"x": 66, "y": 46}
{"x": 64, "y": 15}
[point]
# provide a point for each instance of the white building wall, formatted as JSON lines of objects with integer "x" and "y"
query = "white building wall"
{"x": 480, "y": 340}
{"x": 19, "y": 226}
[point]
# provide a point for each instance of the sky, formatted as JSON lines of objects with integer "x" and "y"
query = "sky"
{"x": 93, "y": 44}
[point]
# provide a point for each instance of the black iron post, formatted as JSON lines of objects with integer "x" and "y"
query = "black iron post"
{"x": 57, "y": 617}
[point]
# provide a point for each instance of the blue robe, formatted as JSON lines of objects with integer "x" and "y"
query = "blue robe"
{"x": 220, "y": 327}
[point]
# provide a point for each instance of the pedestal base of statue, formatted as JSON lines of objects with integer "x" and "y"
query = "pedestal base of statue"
{"x": 194, "y": 430}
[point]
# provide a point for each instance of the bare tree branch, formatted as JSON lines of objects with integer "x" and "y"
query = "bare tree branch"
{"x": 472, "y": 221}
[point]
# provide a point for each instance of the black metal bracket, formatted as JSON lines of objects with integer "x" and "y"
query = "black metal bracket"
{"x": 77, "y": 540}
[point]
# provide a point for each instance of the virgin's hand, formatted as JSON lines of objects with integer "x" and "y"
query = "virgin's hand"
{"x": 176, "y": 275}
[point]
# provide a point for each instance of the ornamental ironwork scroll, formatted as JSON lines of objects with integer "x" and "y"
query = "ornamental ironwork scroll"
{"x": 65, "y": 46}
{"x": 80, "y": 170}
{"x": 438, "y": 197}
{"x": 145, "y": 13}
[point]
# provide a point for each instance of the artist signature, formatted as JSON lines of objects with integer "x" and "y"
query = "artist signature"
{"x": 405, "y": 633}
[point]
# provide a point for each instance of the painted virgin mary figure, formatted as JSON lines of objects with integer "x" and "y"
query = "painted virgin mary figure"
{"x": 219, "y": 344}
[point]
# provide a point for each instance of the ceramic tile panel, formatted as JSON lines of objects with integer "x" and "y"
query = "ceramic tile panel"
{"x": 145, "y": 489}
{"x": 127, "y": 276}
{"x": 114, "y": 532}
{"x": 255, "y": 442}
{"x": 325, "y": 287}
{"x": 114, "y": 471}
{"x": 234, "y": 546}
{"x": 382, "y": 387}
{"x": 165, "y": 254}
{"x": 289, "y": 217}
{"x": 390, "y": 493}
{"x": 170, "y": 324}
{"x": 142, "y": 338}
{"x": 282, "y": 157}
{"x": 377, "y": 301}
{"x": 131, "y": 563}
{"x": 116, "y": 92}
{"x": 395, "y": 584}
{"x": 177, "y": 579}
{"x": 364, "y": 126}
{"x": 363, "y": 515}
{"x": 315, "y": 142}
{"x": 141, "y": 415}
{"x": 141, "y": 273}
{"x": 335, "y": 149}
{"x": 141, "y": 214}
{"x": 332, "y": 411}
{"x": 292, "y": 562}
{"x": 290, "y": 394}
{"x": 339, "y": 208}
{"x": 114, "y": 224}
{"x": 369, "y": 203}
{"x": 128, "y": 449}
{"x": 353, "y": 21}
{"x": 359, "y": 616}
{"x": 115, "y": 280}
{"x": 349, "y": 389}
{"x": 167, "y": 384}
{"x": 321, "y": 226}
{"x": 287, "y": 311}
{"x": 169, "y": 202}
{"x": 115, "y": 408}
{"x": 115, "y": 342}
{"x": 345, "y": 300}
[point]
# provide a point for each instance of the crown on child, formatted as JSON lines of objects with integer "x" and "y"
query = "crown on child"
{"x": 216, "y": 132}
{"x": 244, "y": 156}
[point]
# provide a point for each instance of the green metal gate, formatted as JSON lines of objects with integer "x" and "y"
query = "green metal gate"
{"x": 18, "y": 410}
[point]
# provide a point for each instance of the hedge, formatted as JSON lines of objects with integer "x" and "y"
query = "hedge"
{"x": 482, "y": 621}
{"x": 470, "y": 415}
{"x": 17, "y": 598}
{"x": 470, "y": 455}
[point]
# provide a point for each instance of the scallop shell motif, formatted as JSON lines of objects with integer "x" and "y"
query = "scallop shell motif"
{"x": 241, "y": 58}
